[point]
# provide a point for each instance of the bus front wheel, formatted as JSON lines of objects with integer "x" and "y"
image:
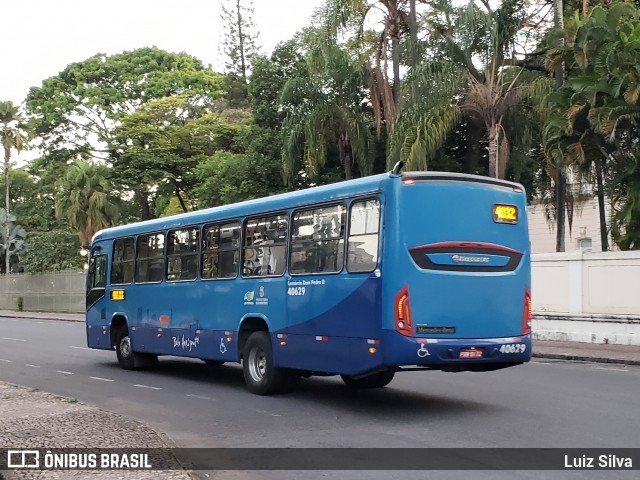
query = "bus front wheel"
{"x": 123, "y": 349}
{"x": 377, "y": 380}
{"x": 260, "y": 375}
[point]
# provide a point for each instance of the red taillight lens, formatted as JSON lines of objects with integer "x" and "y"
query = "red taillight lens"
{"x": 527, "y": 314}
{"x": 402, "y": 313}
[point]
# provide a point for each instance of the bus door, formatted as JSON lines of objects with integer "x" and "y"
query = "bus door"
{"x": 96, "y": 301}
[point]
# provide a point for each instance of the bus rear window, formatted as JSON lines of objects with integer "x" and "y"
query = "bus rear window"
{"x": 364, "y": 226}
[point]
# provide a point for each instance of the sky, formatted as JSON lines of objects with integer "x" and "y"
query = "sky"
{"x": 39, "y": 38}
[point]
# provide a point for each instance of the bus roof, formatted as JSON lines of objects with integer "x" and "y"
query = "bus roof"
{"x": 284, "y": 201}
{"x": 280, "y": 202}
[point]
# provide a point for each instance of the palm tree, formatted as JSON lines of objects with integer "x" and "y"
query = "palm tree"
{"x": 84, "y": 200}
{"x": 468, "y": 72}
{"x": 12, "y": 135}
{"x": 398, "y": 20}
{"x": 325, "y": 107}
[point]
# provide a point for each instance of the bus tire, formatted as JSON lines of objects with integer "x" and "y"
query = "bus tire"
{"x": 212, "y": 363}
{"x": 260, "y": 375}
{"x": 377, "y": 380}
{"x": 124, "y": 353}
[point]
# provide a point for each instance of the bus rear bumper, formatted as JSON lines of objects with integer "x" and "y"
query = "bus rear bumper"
{"x": 456, "y": 354}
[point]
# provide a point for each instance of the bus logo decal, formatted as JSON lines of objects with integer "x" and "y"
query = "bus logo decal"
{"x": 248, "y": 297}
{"x": 469, "y": 259}
{"x": 261, "y": 292}
{"x": 185, "y": 343}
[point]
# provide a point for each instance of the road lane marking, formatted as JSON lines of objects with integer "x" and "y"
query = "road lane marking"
{"x": 6, "y": 361}
{"x": 81, "y": 348}
{"x": 265, "y": 412}
{"x": 32, "y": 366}
{"x": 102, "y": 379}
{"x": 14, "y": 339}
{"x": 64, "y": 373}
{"x": 609, "y": 368}
{"x": 201, "y": 397}
{"x": 147, "y": 386}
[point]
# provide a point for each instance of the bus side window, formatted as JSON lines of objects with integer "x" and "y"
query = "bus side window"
{"x": 122, "y": 261}
{"x": 317, "y": 240}
{"x": 220, "y": 251}
{"x": 265, "y": 246}
{"x": 182, "y": 254}
{"x": 364, "y": 227}
{"x": 150, "y": 258}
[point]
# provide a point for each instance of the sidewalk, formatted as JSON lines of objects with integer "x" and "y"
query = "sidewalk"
{"x": 32, "y": 420}
{"x": 589, "y": 352}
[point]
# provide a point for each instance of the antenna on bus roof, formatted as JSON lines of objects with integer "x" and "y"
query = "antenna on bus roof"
{"x": 397, "y": 167}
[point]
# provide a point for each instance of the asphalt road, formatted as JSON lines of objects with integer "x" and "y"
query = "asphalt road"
{"x": 541, "y": 404}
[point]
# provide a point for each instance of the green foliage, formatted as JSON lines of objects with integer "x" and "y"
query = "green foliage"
{"x": 51, "y": 251}
{"x": 227, "y": 177}
{"x": 11, "y": 238}
{"x": 84, "y": 200}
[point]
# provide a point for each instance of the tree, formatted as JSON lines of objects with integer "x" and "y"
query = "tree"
{"x": 11, "y": 237}
{"x": 338, "y": 16}
{"x": 12, "y": 135}
{"x": 467, "y": 71}
{"x": 51, "y": 251}
{"x": 239, "y": 44}
{"x": 161, "y": 144}
{"x": 76, "y": 112}
{"x": 322, "y": 108}
{"x": 84, "y": 200}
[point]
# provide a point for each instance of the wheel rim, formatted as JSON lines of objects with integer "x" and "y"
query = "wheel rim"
{"x": 125, "y": 347}
{"x": 257, "y": 364}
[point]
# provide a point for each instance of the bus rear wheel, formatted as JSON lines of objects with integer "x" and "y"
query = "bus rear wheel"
{"x": 377, "y": 380}
{"x": 123, "y": 349}
{"x": 260, "y": 375}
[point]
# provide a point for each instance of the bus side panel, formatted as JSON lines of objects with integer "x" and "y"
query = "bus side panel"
{"x": 330, "y": 325}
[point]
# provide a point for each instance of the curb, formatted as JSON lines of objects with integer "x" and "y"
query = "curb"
{"x": 583, "y": 358}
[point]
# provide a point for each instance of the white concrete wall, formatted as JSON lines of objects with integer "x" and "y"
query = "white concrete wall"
{"x": 586, "y": 223}
{"x": 587, "y": 297}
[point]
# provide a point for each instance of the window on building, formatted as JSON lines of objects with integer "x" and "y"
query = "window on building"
{"x": 150, "y": 258}
{"x": 182, "y": 254}
{"x": 221, "y": 250}
{"x": 364, "y": 227}
{"x": 317, "y": 240}
{"x": 265, "y": 246}
{"x": 122, "y": 261}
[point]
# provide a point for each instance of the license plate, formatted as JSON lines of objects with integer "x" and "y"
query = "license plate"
{"x": 471, "y": 352}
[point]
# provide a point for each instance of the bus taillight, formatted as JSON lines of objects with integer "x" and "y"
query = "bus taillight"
{"x": 402, "y": 313}
{"x": 527, "y": 314}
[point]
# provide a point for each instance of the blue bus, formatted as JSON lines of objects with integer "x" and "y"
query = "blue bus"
{"x": 362, "y": 278}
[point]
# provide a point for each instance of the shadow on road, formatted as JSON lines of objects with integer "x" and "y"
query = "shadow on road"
{"x": 392, "y": 403}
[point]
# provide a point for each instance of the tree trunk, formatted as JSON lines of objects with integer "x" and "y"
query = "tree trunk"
{"x": 345, "y": 157}
{"x": 243, "y": 63}
{"x": 7, "y": 158}
{"x": 142, "y": 198}
{"x": 604, "y": 239}
{"x": 561, "y": 187}
{"x": 413, "y": 34}
{"x": 472, "y": 155}
{"x": 182, "y": 204}
{"x": 395, "y": 58}
{"x": 494, "y": 137}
